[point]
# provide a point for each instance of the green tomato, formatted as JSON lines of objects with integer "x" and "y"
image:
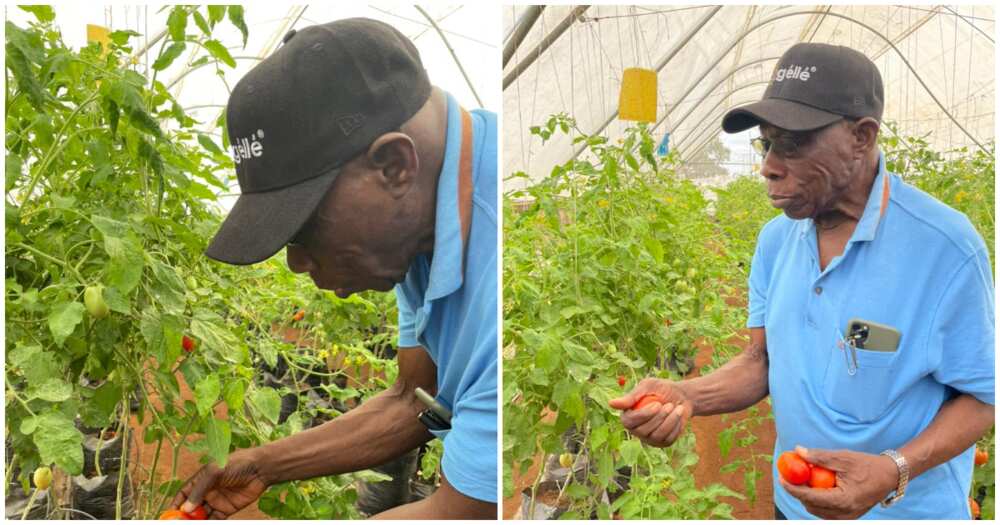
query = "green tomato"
{"x": 692, "y": 273}
{"x": 93, "y": 299}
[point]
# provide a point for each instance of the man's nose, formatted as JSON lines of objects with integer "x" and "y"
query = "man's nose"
{"x": 298, "y": 260}
{"x": 772, "y": 167}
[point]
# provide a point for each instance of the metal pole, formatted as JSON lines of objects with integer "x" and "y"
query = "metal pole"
{"x": 524, "y": 25}
{"x": 453, "y": 55}
{"x": 544, "y": 44}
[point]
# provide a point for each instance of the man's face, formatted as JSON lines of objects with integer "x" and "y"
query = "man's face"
{"x": 808, "y": 172}
{"x": 358, "y": 237}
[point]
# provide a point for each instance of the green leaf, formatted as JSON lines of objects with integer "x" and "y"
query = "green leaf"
{"x": 121, "y": 36}
{"x": 268, "y": 403}
{"x": 233, "y": 393}
{"x": 53, "y": 390}
{"x": 726, "y": 441}
{"x": 218, "y": 436}
{"x": 207, "y": 143}
{"x": 216, "y": 13}
{"x": 169, "y": 55}
{"x": 202, "y": 24}
{"x": 44, "y": 13}
{"x": 27, "y": 82}
{"x": 63, "y": 320}
{"x": 206, "y": 393}
{"x": 630, "y": 451}
{"x": 654, "y": 247}
{"x": 14, "y": 166}
{"x": 177, "y": 24}
{"x": 220, "y": 52}
{"x": 59, "y": 442}
{"x": 236, "y": 17}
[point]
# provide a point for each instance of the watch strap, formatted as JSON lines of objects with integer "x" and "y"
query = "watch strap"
{"x": 904, "y": 477}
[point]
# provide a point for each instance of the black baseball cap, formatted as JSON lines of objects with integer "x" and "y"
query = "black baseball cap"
{"x": 813, "y": 85}
{"x": 300, "y": 114}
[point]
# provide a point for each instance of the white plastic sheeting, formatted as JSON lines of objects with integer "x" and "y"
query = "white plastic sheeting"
{"x": 937, "y": 65}
{"x": 204, "y": 93}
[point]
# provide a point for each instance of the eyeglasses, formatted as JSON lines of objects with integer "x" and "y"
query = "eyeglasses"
{"x": 788, "y": 144}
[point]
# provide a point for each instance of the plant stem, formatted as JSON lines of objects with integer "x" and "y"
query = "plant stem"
{"x": 31, "y": 503}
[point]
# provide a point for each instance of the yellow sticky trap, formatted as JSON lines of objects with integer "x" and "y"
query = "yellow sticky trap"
{"x": 637, "y": 100}
{"x": 99, "y": 34}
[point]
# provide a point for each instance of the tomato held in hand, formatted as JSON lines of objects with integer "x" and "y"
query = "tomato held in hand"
{"x": 982, "y": 457}
{"x": 822, "y": 478}
{"x": 646, "y": 400}
{"x": 793, "y": 468}
{"x": 174, "y": 514}
{"x": 199, "y": 513}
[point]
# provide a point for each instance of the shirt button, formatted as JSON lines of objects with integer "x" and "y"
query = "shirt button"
{"x": 818, "y": 290}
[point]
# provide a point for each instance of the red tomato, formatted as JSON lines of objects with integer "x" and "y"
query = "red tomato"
{"x": 199, "y": 513}
{"x": 982, "y": 457}
{"x": 621, "y": 380}
{"x": 173, "y": 514}
{"x": 793, "y": 468}
{"x": 299, "y": 315}
{"x": 187, "y": 343}
{"x": 647, "y": 399}
{"x": 822, "y": 478}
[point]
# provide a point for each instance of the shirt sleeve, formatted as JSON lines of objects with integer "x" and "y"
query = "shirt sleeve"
{"x": 407, "y": 321}
{"x": 759, "y": 280}
{"x": 470, "y": 448}
{"x": 961, "y": 343}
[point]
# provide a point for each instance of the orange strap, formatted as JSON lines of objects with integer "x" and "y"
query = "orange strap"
{"x": 465, "y": 179}
{"x": 885, "y": 194}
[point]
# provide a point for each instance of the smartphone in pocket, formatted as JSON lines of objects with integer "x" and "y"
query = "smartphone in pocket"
{"x": 872, "y": 336}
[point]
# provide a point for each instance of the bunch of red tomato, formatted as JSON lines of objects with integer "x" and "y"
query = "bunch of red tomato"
{"x": 798, "y": 471}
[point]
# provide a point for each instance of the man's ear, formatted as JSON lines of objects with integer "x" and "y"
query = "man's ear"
{"x": 395, "y": 155}
{"x": 865, "y": 132}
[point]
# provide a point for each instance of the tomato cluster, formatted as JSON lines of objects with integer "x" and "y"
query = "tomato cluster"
{"x": 798, "y": 471}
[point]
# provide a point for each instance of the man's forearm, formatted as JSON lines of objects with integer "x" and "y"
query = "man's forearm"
{"x": 956, "y": 427}
{"x": 381, "y": 429}
{"x": 738, "y": 384}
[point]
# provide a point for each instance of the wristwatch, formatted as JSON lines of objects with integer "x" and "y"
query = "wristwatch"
{"x": 904, "y": 476}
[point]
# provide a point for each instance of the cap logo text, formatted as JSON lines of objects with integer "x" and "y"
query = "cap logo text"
{"x": 350, "y": 123}
{"x": 244, "y": 148}
{"x": 795, "y": 72}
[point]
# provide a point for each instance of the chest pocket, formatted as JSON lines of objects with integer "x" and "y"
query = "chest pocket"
{"x": 864, "y": 396}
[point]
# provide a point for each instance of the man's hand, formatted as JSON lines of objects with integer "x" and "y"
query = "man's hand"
{"x": 655, "y": 424}
{"x": 223, "y": 491}
{"x": 863, "y": 480}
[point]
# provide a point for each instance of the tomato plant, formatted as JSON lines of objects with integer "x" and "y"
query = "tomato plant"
{"x": 597, "y": 256}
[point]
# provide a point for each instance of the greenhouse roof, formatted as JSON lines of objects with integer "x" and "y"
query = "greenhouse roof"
{"x": 937, "y": 64}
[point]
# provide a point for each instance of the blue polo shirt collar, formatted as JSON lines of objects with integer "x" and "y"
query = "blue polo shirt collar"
{"x": 446, "y": 265}
{"x": 870, "y": 218}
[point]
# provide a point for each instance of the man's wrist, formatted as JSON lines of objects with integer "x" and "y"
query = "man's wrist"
{"x": 687, "y": 392}
{"x": 258, "y": 457}
{"x": 900, "y": 471}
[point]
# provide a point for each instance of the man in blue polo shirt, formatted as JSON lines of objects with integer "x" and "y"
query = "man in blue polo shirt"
{"x": 374, "y": 180}
{"x": 857, "y": 252}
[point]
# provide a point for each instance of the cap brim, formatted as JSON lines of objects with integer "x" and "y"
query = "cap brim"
{"x": 260, "y": 224}
{"x": 780, "y": 113}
